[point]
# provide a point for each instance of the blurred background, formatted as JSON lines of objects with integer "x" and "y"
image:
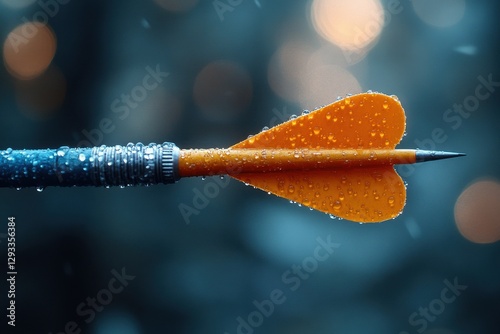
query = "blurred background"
{"x": 214, "y": 256}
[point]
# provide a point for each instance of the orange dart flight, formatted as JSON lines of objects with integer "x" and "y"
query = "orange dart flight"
{"x": 338, "y": 159}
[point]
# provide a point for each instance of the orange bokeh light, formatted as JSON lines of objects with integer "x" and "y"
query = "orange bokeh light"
{"x": 477, "y": 212}
{"x": 28, "y": 50}
{"x": 352, "y": 25}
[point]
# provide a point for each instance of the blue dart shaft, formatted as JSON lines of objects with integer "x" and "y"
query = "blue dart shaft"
{"x": 100, "y": 166}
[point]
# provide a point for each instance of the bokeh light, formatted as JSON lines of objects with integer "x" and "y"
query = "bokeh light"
{"x": 439, "y": 13}
{"x": 287, "y": 68}
{"x": 29, "y": 49}
{"x": 222, "y": 89}
{"x": 352, "y": 25}
{"x": 177, "y": 5}
{"x": 312, "y": 78}
{"x": 477, "y": 212}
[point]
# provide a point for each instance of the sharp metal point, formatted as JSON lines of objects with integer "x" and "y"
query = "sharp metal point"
{"x": 423, "y": 155}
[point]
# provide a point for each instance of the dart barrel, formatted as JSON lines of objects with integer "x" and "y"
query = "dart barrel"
{"x": 100, "y": 166}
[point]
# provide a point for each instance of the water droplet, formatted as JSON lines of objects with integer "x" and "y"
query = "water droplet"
{"x": 385, "y": 105}
{"x": 265, "y": 128}
{"x": 391, "y": 201}
{"x": 326, "y": 187}
{"x": 293, "y": 117}
{"x": 291, "y": 189}
{"x": 109, "y": 163}
{"x": 8, "y": 150}
{"x": 316, "y": 130}
{"x": 381, "y": 134}
{"x": 337, "y": 206}
{"x": 222, "y": 177}
{"x": 328, "y": 116}
{"x": 332, "y": 216}
{"x": 81, "y": 157}
{"x": 40, "y": 189}
{"x": 203, "y": 178}
{"x": 19, "y": 188}
{"x": 373, "y": 133}
{"x": 296, "y": 155}
{"x": 60, "y": 153}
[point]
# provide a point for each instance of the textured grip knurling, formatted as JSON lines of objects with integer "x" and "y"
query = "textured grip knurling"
{"x": 105, "y": 166}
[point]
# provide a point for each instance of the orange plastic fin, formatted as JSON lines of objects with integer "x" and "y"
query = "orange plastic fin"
{"x": 363, "y": 121}
{"x": 365, "y": 194}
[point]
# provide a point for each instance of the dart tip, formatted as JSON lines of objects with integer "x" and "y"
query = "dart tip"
{"x": 423, "y": 155}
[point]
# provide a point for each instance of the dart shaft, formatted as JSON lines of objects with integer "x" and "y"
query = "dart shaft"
{"x": 197, "y": 162}
{"x": 133, "y": 164}
{"x": 138, "y": 164}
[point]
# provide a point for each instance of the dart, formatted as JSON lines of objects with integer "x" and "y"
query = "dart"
{"x": 338, "y": 159}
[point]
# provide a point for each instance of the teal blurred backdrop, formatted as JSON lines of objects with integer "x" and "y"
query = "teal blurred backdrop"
{"x": 202, "y": 74}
